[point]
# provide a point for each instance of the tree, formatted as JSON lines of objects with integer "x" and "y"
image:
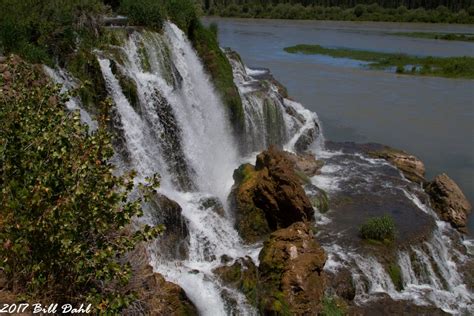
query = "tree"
{"x": 65, "y": 217}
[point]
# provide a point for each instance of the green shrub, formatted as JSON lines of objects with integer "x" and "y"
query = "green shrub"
{"x": 378, "y": 228}
{"x": 151, "y": 13}
{"x": 65, "y": 216}
{"x": 46, "y": 31}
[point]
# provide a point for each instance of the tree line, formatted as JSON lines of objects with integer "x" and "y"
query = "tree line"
{"x": 453, "y": 5}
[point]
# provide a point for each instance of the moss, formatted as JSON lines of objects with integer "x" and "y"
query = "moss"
{"x": 143, "y": 55}
{"x": 244, "y": 173}
{"x": 395, "y": 274}
{"x": 303, "y": 177}
{"x": 84, "y": 66}
{"x": 242, "y": 275}
{"x": 129, "y": 87}
{"x": 218, "y": 66}
{"x": 333, "y": 306}
{"x": 320, "y": 201}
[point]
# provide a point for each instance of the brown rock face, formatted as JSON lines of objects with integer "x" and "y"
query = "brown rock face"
{"x": 268, "y": 196}
{"x": 291, "y": 279}
{"x": 411, "y": 167}
{"x": 156, "y": 296}
{"x": 448, "y": 201}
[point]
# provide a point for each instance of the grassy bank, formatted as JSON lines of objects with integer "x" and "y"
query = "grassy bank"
{"x": 450, "y": 67}
{"x": 438, "y": 36}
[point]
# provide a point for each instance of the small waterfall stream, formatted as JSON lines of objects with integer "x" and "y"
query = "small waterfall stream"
{"x": 176, "y": 125}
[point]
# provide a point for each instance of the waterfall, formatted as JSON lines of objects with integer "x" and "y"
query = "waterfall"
{"x": 68, "y": 83}
{"x": 170, "y": 120}
{"x": 270, "y": 118}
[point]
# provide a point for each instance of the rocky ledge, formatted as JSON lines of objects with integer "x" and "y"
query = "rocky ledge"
{"x": 269, "y": 195}
{"x": 448, "y": 201}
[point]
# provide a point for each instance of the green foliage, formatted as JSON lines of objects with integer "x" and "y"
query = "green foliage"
{"x": 65, "y": 216}
{"x": 43, "y": 31}
{"x": 465, "y": 37}
{"x": 205, "y": 42}
{"x": 331, "y": 307}
{"x": 378, "y": 228}
{"x": 451, "y": 67}
{"x": 151, "y": 13}
{"x": 358, "y": 11}
{"x": 395, "y": 274}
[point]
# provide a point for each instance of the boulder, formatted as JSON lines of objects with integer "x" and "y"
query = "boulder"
{"x": 174, "y": 241}
{"x": 305, "y": 163}
{"x": 448, "y": 201}
{"x": 291, "y": 278}
{"x": 268, "y": 196}
{"x": 411, "y": 167}
{"x": 213, "y": 204}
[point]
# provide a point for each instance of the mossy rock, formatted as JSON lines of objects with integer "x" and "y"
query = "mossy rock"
{"x": 128, "y": 85}
{"x": 396, "y": 276}
{"x": 241, "y": 275}
{"x": 216, "y": 63}
{"x": 84, "y": 66}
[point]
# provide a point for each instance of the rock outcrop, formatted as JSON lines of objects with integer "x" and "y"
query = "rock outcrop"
{"x": 174, "y": 242}
{"x": 291, "y": 278}
{"x": 268, "y": 196}
{"x": 411, "y": 167}
{"x": 155, "y": 295}
{"x": 448, "y": 201}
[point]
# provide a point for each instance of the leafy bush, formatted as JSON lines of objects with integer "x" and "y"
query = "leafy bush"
{"x": 65, "y": 216}
{"x": 42, "y": 31}
{"x": 151, "y": 13}
{"x": 378, "y": 228}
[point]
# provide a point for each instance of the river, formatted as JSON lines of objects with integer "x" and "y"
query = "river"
{"x": 426, "y": 116}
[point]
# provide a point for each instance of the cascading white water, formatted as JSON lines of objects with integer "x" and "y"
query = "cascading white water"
{"x": 430, "y": 270}
{"x": 178, "y": 128}
{"x": 68, "y": 83}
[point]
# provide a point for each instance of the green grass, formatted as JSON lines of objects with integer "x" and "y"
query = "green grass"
{"x": 378, "y": 228}
{"x": 440, "y": 36}
{"x": 450, "y": 67}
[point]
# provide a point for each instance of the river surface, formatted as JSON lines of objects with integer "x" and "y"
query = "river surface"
{"x": 429, "y": 117}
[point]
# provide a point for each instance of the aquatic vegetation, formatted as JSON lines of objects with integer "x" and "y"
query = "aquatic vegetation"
{"x": 439, "y": 36}
{"x": 451, "y": 67}
{"x": 378, "y": 228}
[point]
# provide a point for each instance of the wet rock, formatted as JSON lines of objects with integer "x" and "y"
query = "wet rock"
{"x": 389, "y": 306}
{"x": 213, "y": 204}
{"x": 411, "y": 167}
{"x": 174, "y": 241}
{"x": 306, "y": 139}
{"x": 268, "y": 196}
{"x": 448, "y": 201}
{"x": 156, "y": 296}
{"x": 241, "y": 275}
{"x": 305, "y": 163}
{"x": 291, "y": 278}
{"x": 343, "y": 284}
